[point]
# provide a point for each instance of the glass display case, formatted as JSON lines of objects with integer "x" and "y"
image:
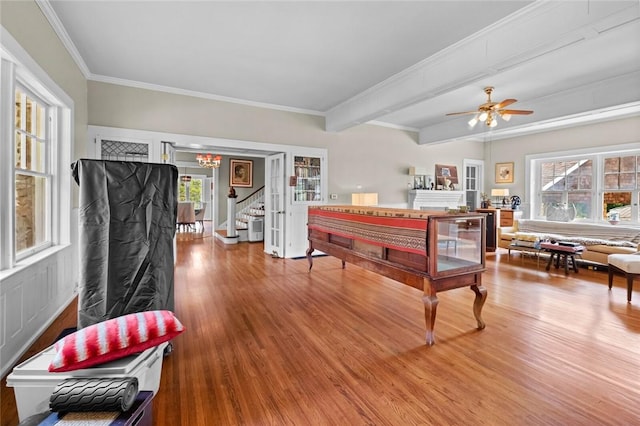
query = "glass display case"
{"x": 455, "y": 244}
{"x": 308, "y": 178}
{"x": 432, "y": 251}
{"x": 432, "y": 244}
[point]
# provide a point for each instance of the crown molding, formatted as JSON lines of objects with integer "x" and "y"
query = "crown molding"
{"x": 196, "y": 94}
{"x": 59, "y": 29}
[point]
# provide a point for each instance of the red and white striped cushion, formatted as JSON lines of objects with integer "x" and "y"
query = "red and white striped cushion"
{"x": 113, "y": 339}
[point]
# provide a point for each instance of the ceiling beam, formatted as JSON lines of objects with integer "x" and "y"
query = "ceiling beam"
{"x": 535, "y": 30}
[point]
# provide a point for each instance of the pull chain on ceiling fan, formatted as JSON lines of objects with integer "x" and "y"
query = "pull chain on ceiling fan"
{"x": 489, "y": 111}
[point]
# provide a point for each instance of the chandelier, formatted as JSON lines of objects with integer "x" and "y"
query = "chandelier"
{"x": 209, "y": 161}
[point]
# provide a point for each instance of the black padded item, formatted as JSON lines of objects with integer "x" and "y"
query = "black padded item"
{"x": 103, "y": 394}
{"x": 127, "y": 222}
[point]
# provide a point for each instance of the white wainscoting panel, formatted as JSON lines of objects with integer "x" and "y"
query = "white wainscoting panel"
{"x": 31, "y": 298}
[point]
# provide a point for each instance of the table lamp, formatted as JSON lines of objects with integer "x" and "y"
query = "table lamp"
{"x": 500, "y": 192}
{"x": 364, "y": 198}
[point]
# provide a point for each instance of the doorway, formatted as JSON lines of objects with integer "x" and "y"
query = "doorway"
{"x": 473, "y": 178}
{"x": 163, "y": 146}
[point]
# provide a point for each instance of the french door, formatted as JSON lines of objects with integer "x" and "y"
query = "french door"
{"x": 274, "y": 242}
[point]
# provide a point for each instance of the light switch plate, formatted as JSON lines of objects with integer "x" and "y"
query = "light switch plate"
{"x": 334, "y": 196}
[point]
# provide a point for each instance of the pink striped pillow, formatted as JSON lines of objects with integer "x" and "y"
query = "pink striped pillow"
{"x": 113, "y": 339}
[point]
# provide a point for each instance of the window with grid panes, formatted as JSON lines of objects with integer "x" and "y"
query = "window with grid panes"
{"x": 32, "y": 174}
{"x": 567, "y": 184}
{"x": 620, "y": 184}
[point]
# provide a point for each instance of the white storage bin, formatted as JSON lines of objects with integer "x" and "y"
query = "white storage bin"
{"x": 33, "y": 384}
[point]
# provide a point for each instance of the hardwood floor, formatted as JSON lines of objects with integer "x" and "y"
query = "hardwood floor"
{"x": 268, "y": 343}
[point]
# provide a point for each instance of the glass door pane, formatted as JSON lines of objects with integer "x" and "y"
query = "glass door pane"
{"x": 308, "y": 184}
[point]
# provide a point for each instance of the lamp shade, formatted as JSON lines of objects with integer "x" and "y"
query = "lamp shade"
{"x": 364, "y": 198}
{"x": 417, "y": 171}
{"x": 500, "y": 192}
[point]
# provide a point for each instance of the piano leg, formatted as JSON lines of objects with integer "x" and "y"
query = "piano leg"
{"x": 430, "y": 305}
{"x": 481, "y": 297}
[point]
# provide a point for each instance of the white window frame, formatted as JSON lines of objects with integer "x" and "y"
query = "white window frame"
{"x": 50, "y": 113}
{"x": 17, "y": 66}
{"x": 533, "y": 191}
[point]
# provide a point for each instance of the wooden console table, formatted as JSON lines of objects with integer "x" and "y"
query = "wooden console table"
{"x": 430, "y": 251}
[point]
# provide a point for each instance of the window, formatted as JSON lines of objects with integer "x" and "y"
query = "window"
{"x": 31, "y": 174}
{"x": 124, "y": 151}
{"x": 190, "y": 188}
{"x": 592, "y": 187}
{"x": 620, "y": 188}
{"x": 567, "y": 184}
{"x": 36, "y": 122}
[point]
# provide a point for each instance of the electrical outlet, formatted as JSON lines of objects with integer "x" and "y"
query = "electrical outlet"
{"x": 334, "y": 196}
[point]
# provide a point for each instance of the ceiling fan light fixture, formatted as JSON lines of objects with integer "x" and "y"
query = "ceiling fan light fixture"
{"x": 489, "y": 111}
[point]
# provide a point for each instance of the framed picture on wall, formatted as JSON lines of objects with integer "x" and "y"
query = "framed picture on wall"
{"x": 241, "y": 173}
{"x": 446, "y": 174}
{"x": 504, "y": 172}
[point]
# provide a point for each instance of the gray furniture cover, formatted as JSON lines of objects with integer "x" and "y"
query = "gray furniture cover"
{"x": 127, "y": 221}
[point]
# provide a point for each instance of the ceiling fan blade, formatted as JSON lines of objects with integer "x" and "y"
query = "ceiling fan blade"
{"x": 505, "y": 103}
{"x": 515, "y": 111}
{"x": 462, "y": 113}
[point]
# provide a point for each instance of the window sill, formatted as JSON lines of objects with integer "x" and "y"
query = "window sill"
{"x": 32, "y": 260}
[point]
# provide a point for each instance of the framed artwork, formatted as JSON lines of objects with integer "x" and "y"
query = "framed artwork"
{"x": 445, "y": 172}
{"x": 241, "y": 173}
{"x": 504, "y": 172}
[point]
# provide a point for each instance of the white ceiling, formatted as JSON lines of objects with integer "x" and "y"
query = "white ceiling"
{"x": 403, "y": 64}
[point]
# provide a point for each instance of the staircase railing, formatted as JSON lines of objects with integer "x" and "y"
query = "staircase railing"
{"x": 253, "y": 198}
{"x": 245, "y": 207}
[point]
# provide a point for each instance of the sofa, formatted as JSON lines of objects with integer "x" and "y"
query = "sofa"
{"x": 600, "y": 240}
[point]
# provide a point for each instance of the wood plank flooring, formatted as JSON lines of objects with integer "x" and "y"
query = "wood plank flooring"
{"x": 268, "y": 343}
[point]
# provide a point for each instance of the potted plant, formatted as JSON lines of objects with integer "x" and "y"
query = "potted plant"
{"x": 485, "y": 200}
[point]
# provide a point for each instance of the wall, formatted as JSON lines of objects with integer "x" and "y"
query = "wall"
{"x": 32, "y": 294}
{"x": 374, "y": 157}
{"x": 366, "y": 158}
{"x": 30, "y": 28}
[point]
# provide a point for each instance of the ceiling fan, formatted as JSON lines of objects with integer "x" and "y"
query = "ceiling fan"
{"x": 490, "y": 111}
